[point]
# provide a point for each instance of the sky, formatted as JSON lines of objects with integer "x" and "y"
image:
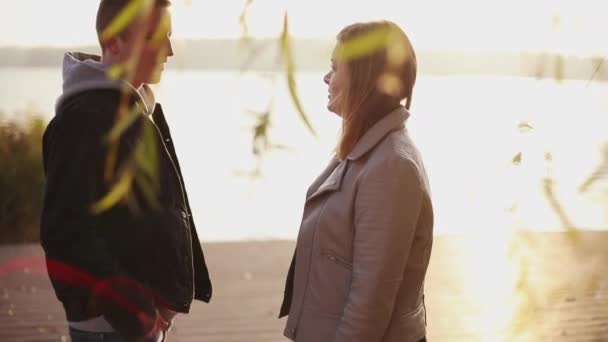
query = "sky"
{"x": 513, "y": 25}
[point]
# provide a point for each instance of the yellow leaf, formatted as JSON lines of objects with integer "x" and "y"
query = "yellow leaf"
{"x": 146, "y": 152}
{"x": 161, "y": 31}
{"x": 149, "y": 189}
{"x": 117, "y": 193}
{"x": 517, "y": 159}
{"x": 243, "y": 19}
{"x": 291, "y": 82}
{"x": 125, "y": 17}
{"x": 115, "y": 71}
{"x": 525, "y": 126}
{"x": 123, "y": 124}
{"x": 366, "y": 44}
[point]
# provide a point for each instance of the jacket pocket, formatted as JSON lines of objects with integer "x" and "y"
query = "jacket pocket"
{"x": 336, "y": 259}
{"x": 329, "y": 284}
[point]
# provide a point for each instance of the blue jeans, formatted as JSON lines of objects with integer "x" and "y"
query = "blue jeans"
{"x": 85, "y": 336}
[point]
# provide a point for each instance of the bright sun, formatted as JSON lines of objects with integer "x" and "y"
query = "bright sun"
{"x": 517, "y": 25}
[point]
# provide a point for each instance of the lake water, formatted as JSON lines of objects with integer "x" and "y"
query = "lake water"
{"x": 465, "y": 126}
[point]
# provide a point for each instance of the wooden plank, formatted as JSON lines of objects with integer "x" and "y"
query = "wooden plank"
{"x": 529, "y": 287}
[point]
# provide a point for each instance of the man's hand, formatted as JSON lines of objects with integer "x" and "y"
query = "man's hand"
{"x": 166, "y": 317}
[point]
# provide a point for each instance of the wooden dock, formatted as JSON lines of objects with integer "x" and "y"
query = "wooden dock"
{"x": 497, "y": 287}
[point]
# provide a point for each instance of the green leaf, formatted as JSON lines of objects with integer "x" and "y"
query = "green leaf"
{"x": 146, "y": 152}
{"x": 149, "y": 189}
{"x": 517, "y": 159}
{"x": 161, "y": 31}
{"x": 115, "y": 71}
{"x": 287, "y": 54}
{"x": 123, "y": 124}
{"x": 364, "y": 44}
{"x": 260, "y": 133}
{"x": 146, "y": 159}
{"x": 117, "y": 193}
{"x": 598, "y": 66}
{"x": 243, "y": 18}
{"x": 525, "y": 126}
{"x": 125, "y": 17}
{"x": 142, "y": 167}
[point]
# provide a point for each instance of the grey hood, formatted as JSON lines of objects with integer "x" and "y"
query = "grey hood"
{"x": 82, "y": 72}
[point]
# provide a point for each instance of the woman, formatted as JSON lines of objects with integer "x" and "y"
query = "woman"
{"x": 365, "y": 240}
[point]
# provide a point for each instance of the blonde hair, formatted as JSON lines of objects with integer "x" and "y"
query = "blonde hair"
{"x": 381, "y": 72}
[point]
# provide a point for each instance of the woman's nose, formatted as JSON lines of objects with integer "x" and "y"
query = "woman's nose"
{"x": 326, "y": 78}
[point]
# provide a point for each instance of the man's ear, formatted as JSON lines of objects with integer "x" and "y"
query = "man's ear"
{"x": 112, "y": 46}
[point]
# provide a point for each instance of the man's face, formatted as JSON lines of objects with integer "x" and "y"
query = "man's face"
{"x": 146, "y": 45}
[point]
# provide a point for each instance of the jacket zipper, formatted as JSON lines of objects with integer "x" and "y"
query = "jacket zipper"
{"x": 185, "y": 209}
{"x": 338, "y": 260}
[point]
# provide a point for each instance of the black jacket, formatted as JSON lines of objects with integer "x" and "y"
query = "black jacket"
{"x": 141, "y": 253}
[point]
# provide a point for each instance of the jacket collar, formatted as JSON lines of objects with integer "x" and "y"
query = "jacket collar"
{"x": 331, "y": 178}
{"x": 324, "y": 182}
{"x": 393, "y": 121}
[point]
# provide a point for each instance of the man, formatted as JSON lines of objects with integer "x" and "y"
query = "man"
{"x": 122, "y": 251}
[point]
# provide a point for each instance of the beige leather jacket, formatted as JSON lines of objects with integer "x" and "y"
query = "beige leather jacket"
{"x": 364, "y": 244}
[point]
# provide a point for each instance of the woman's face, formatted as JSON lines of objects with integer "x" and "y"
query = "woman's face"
{"x": 336, "y": 79}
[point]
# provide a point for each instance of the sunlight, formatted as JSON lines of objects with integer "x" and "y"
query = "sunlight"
{"x": 469, "y": 25}
{"x": 21, "y": 25}
{"x": 509, "y": 121}
{"x": 491, "y": 273}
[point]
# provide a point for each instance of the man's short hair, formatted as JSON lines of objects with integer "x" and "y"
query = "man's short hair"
{"x": 110, "y": 9}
